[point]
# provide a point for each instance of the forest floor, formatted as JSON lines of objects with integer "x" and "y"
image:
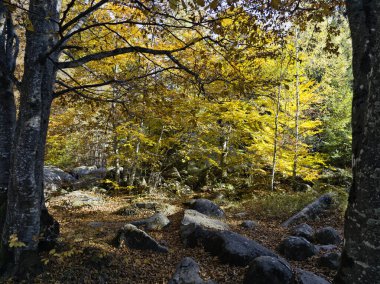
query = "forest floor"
{"x": 86, "y": 255}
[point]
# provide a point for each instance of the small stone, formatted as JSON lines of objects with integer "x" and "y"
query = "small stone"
{"x": 207, "y": 207}
{"x": 303, "y": 230}
{"x": 146, "y": 205}
{"x": 249, "y": 224}
{"x": 327, "y": 236}
{"x": 156, "y": 222}
{"x": 297, "y": 248}
{"x": 135, "y": 238}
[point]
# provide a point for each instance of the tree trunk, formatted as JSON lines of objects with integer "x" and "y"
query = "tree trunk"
{"x": 297, "y": 115}
{"x": 8, "y": 54}
{"x": 25, "y": 192}
{"x": 361, "y": 252}
{"x": 276, "y": 123}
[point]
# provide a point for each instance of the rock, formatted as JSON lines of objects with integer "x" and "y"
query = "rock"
{"x": 79, "y": 199}
{"x": 192, "y": 220}
{"x": 312, "y": 210}
{"x": 126, "y": 211}
{"x": 296, "y": 248}
{"x": 268, "y": 270}
{"x": 248, "y": 224}
{"x": 231, "y": 247}
{"x": 147, "y": 205}
{"x": 207, "y": 207}
{"x": 303, "y": 230}
{"x": 327, "y": 236}
{"x": 134, "y": 238}
{"x": 330, "y": 260}
{"x": 168, "y": 209}
{"x": 187, "y": 272}
{"x": 56, "y": 179}
{"x": 241, "y": 214}
{"x": 326, "y": 247}
{"x": 307, "y": 277}
{"x": 83, "y": 171}
{"x": 156, "y": 222}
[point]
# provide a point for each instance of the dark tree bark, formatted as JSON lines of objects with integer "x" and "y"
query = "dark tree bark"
{"x": 25, "y": 191}
{"x": 361, "y": 253}
{"x": 8, "y": 54}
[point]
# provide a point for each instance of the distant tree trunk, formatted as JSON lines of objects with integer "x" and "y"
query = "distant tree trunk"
{"x": 8, "y": 54}
{"x": 361, "y": 252}
{"x": 25, "y": 192}
{"x": 297, "y": 115}
{"x": 277, "y": 112}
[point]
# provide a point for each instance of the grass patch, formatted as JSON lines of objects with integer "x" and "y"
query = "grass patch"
{"x": 282, "y": 205}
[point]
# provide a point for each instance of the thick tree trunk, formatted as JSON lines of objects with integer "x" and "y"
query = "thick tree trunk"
{"x": 361, "y": 253}
{"x": 8, "y": 54}
{"x": 25, "y": 192}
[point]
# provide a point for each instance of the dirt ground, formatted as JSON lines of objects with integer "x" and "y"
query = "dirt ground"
{"x": 86, "y": 255}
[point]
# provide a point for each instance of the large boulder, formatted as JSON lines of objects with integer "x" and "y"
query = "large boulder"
{"x": 307, "y": 277}
{"x": 56, "y": 179}
{"x": 92, "y": 171}
{"x": 134, "y": 238}
{"x": 193, "y": 221}
{"x": 327, "y": 236}
{"x": 268, "y": 270}
{"x": 230, "y": 247}
{"x": 330, "y": 260}
{"x": 213, "y": 235}
{"x": 207, "y": 207}
{"x": 311, "y": 211}
{"x": 303, "y": 230}
{"x": 187, "y": 272}
{"x": 156, "y": 222}
{"x": 296, "y": 248}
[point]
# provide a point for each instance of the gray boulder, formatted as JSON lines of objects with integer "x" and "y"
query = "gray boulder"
{"x": 268, "y": 270}
{"x": 303, "y": 230}
{"x": 134, "y": 238}
{"x": 56, "y": 179}
{"x": 307, "y": 277}
{"x": 207, "y": 207}
{"x": 311, "y": 211}
{"x": 230, "y": 247}
{"x": 327, "y": 236}
{"x": 330, "y": 260}
{"x": 296, "y": 248}
{"x": 187, "y": 272}
{"x": 156, "y": 222}
{"x": 191, "y": 223}
{"x": 93, "y": 171}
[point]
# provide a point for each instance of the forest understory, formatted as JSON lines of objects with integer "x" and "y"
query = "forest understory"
{"x": 86, "y": 254}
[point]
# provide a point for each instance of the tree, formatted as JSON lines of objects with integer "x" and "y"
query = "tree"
{"x": 361, "y": 257}
{"x": 52, "y": 29}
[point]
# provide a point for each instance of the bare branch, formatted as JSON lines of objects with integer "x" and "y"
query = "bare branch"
{"x": 123, "y": 50}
